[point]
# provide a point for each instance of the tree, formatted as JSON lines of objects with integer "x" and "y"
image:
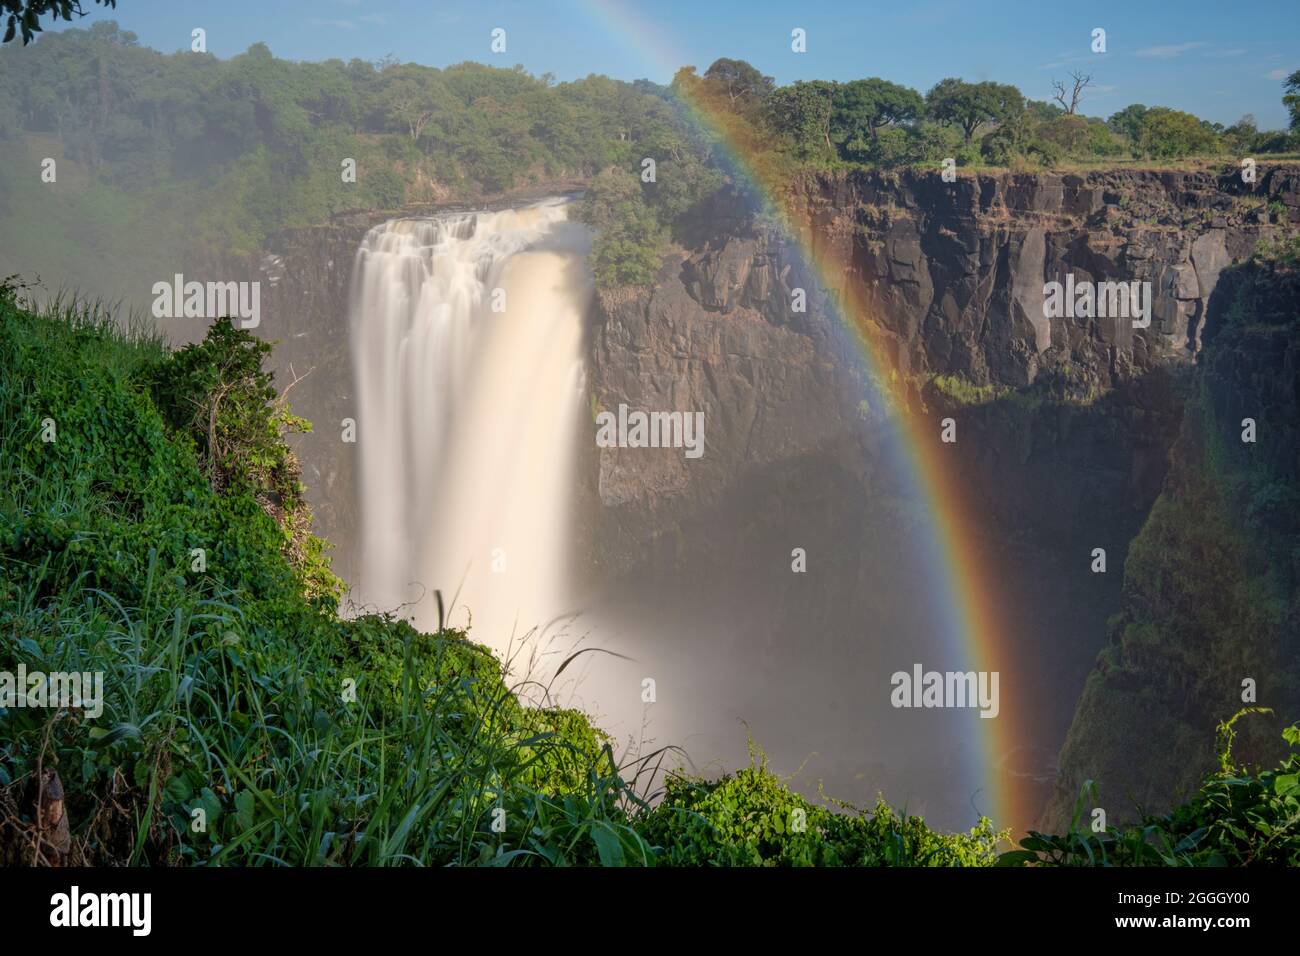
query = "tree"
{"x": 1169, "y": 134}
{"x": 1240, "y": 137}
{"x": 628, "y": 237}
{"x": 1021, "y": 138}
{"x": 802, "y": 112}
{"x": 25, "y": 15}
{"x": 865, "y": 106}
{"x": 969, "y": 105}
{"x": 1102, "y": 140}
{"x": 1292, "y": 99}
{"x": 408, "y": 107}
{"x": 1128, "y": 121}
{"x": 741, "y": 83}
{"x": 1043, "y": 111}
{"x": 1079, "y": 82}
{"x": 1068, "y": 131}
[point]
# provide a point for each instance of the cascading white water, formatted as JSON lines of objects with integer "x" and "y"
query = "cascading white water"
{"x": 467, "y": 335}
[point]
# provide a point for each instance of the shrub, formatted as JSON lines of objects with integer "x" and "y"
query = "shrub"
{"x": 629, "y": 238}
{"x": 1170, "y": 134}
{"x": 1237, "y": 818}
{"x": 751, "y": 818}
{"x": 233, "y": 695}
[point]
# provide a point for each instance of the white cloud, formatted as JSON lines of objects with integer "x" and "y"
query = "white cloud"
{"x": 1277, "y": 74}
{"x": 339, "y": 24}
{"x": 1168, "y": 52}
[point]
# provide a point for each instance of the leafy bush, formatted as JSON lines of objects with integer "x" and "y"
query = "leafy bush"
{"x": 1237, "y": 818}
{"x": 751, "y": 818}
{"x": 628, "y": 239}
{"x": 216, "y": 394}
{"x": 1170, "y": 134}
{"x": 231, "y": 687}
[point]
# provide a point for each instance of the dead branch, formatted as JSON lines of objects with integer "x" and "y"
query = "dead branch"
{"x": 1079, "y": 82}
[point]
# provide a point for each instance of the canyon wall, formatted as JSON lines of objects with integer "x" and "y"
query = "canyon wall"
{"x": 1209, "y": 620}
{"x": 1065, "y": 453}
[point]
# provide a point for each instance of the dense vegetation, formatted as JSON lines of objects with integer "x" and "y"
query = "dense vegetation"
{"x": 879, "y": 123}
{"x": 246, "y": 723}
{"x": 781, "y": 133}
{"x": 191, "y": 155}
{"x": 1236, "y": 818}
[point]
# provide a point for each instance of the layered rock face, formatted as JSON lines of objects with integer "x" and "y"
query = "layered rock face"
{"x": 1068, "y": 461}
{"x": 952, "y": 275}
{"x": 1066, "y": 454}
{"x": 955, "y": 271}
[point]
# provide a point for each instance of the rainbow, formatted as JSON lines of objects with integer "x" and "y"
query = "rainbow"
{"x": 970, "y": 615}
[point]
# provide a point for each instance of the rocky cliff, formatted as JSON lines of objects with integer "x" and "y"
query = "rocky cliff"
{"x": 1066, "y": 424}
{"x": 1209, "y": 620}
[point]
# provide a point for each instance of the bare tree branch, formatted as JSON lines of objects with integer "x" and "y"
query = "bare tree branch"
{"x": 296, "y": 379}
{"x": 1079, "y": 82}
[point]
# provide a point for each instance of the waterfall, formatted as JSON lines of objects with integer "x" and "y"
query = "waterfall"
{"x": 467, "y": 339}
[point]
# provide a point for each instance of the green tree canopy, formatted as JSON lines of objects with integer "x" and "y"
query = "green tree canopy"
{"x": 743, "y": 86}
{"x": 629, "y": 238}
{"x": 1169, "y": 134}
{"x": 970, "y": 105}
{"x": 865, "y": 106}
{"x": 1128, "y": 121}
{"x": 1292, "y": 99}
{"x": 802, "y": 113}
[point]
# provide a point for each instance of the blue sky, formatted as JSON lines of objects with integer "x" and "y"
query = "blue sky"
{"x": 1214, "y": 59}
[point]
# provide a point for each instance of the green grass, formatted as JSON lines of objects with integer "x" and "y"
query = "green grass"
{"x": 229, "y": 691}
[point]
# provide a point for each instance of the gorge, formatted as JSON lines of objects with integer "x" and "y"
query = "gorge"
{"x": 1067, "y": 425}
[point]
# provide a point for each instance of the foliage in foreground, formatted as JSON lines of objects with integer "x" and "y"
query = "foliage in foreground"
{"x": 751, "y": 818}
{"x": 1237, "y": 818}
{"x": 244, "y": 722}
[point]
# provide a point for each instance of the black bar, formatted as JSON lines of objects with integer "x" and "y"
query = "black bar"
{"x": 333, "y": 906}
